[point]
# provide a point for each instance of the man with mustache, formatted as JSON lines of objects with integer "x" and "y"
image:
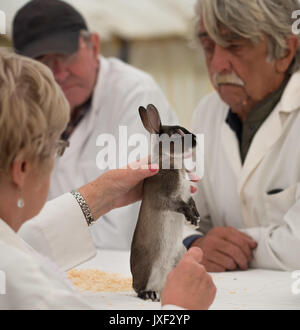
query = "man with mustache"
{"x": 103, "y": 93}
{"x": 249, "y": 198}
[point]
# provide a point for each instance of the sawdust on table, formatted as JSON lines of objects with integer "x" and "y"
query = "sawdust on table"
{"x": 98, "y": 281}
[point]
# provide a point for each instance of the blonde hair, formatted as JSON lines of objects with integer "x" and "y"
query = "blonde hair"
{"x": 33, "y": 110}
{"x": 251, "y": 19}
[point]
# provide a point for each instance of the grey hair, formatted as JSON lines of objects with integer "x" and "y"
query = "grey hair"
{"x": 86, "y": 36}
{"x": 251, "y": 19}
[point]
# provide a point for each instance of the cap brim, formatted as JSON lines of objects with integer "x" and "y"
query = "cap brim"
{"x": 62, "y": 43}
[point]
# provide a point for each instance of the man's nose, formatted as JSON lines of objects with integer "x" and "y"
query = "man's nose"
{"x": 220, "y": 62}
{"x": 59, "y": 71}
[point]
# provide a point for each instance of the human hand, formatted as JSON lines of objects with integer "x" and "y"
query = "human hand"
{"x": 126, "y": 184}
{"x": 117, "y": 188}
{"x": 120, "y": 187}
{"x": 225, "y": 248}
{"x": 189, "y": 285}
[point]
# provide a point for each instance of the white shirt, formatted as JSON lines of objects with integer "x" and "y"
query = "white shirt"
{"x": 33, "y": 281}
{"x": 119, "y": 92}
{"x": 232, "y": 194}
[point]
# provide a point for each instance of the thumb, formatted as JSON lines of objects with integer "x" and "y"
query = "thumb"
{"x": 196, "y": 253}
{"x": 146, "y": 171}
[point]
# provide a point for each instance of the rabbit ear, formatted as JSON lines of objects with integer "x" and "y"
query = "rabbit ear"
{"x": 144, "y": 117}
{"x": 154, "y": 118}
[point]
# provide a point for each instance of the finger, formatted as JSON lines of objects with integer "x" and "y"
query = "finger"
{"x": 196, "y": 253}
{"x": 234, "y": 252}
{"x": 243, "y": 235}
{"x": 137, "y": 164}
{"x": 144, "y": 171}
{"x": 235, "y": 237}
{"x": 222, "y": 260}
{"x": 135, "y": 194}
{"x": 252, "y": 243}
{"x": 193, "y": 176}
{"x": 212, "y": 267}
{"x": 142, "y": 163}
{"x": 241, "y": 243}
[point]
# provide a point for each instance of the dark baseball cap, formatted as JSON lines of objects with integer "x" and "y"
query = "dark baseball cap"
{"x": 45, "y": 27}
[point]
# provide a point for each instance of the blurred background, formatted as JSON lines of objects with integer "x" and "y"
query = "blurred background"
{"x": 156, "y": 36}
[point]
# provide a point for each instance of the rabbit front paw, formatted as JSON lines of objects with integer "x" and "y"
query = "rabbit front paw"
{"x": 192, "y": 219}
{"x": 195, "y": 221}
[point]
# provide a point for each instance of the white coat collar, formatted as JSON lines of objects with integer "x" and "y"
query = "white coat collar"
{"x": 290, "y": 100}
{"x": 272, "y": 129}
{"x": 9, "y": 237}
{"x": 100, "y": 90}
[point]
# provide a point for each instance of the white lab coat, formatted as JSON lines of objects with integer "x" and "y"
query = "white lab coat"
{"x": 36, "y": 280}
{"x": 119, "y": 92}
{"x": 33, "y": 282}
{"x": 232, "y": 194}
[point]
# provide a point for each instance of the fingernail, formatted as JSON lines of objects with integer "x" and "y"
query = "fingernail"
{"x": 154, "y": 167}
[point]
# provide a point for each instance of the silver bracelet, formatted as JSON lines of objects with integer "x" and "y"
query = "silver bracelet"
{"x": 84, "y": 207}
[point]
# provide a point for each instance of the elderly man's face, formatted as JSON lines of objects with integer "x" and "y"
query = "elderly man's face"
{"x": 77, "y": 73}
{"x": 241, "y": 72}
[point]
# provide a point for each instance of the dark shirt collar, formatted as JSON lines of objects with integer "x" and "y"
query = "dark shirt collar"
{"x": 234, "y": 122}
{"x": 76, "y": 117}
{"x": 245, "y": 131}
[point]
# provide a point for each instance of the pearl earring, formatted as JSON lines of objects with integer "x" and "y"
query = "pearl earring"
{"x": 20, "y": 203}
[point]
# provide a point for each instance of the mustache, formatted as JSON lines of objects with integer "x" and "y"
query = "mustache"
{"x": 229, "y": 78}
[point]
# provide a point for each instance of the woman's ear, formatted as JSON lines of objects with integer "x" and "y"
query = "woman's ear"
{"x": 292, "y": 44}
{"x": 19, "y": 170}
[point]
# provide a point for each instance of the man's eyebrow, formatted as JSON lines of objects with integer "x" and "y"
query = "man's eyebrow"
{"x": 203, "y": 35}
{"x": 231, "y": 36}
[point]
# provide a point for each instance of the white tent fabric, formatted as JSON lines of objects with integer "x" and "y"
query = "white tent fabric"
{"x": 179, "y": 70}
{"x": 157, "y": 31}
{"x": 127, "y": 19}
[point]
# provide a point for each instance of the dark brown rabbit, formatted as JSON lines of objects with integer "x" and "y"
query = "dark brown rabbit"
{"x": 157, "y": 242}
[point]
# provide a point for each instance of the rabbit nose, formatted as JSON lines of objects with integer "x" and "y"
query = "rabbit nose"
{"x": 192, "y": 176}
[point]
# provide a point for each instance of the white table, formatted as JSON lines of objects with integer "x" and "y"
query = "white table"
{"x": 252, "y": 289}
